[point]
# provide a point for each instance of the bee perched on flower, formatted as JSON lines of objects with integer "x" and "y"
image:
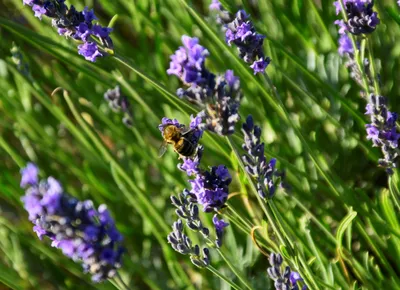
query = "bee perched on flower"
{"x": 182, "y": 139}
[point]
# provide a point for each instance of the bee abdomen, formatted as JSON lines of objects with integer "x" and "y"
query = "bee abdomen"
{"x": 185, "y": 148}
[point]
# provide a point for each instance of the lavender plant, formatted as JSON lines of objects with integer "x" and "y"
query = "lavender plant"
{"x": 337, "y": 227}
{"x": 361, "y": 19}
{"x": 75, "y": 24}
{"x": 81, "y": 231}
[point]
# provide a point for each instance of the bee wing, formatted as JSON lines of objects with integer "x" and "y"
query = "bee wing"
{"x": 187, "y": 133}
{"x": 163, "y": 148}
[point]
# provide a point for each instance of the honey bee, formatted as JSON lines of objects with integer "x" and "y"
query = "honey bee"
{"x": 180, "y": 138}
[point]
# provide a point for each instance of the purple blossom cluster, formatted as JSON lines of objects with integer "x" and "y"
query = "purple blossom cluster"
{"x": 227, "y": 94}
{"x": 219, "y": 97}
{"x": 119, "y": 103}
{"x": 383, "y": 131}
{"x": 81, "y": 231}
{"x": 361, "y": 19}
{"x": 285, "y": 279}
{"x": 256, "y": 164}
{"x": 242, "y": 33}
{"x": 187, "y": 62}
{"x": 345, "y": 45}
{"x": 75, "y": 24}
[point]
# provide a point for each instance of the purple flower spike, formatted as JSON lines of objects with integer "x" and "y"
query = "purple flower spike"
{"x": 265, "y": 173}
{"x": 383, "y": 131}
{"x": 242, "y": 33}
{"x": 361, "y": 17}
{"x": 188, "y": 62}
{"x": 75, "y": 24}
{"x": 81, "y": 231}
{"x": 218, "y": 96}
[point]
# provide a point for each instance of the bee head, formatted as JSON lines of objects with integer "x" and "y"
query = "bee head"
{"x": 172, "y": 133}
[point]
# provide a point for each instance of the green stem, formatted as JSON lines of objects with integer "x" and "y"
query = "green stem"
{"x": 17, "y": 159}
{"x": 223, "y": 277}
{"x": 118, "y": 277}
{"x": 394, "y": 193}
{"x": 234, "y": 270}
{"x": 373, "y": 69}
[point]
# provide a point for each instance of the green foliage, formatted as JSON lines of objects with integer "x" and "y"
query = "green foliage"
{"x": 341, "y": 218}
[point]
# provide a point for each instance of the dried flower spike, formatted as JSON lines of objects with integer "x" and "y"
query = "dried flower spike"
{"x": 81, "y": 231}
{"x": 119, "y": 103}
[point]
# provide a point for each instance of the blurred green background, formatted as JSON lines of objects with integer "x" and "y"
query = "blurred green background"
{"x": 85, "y": 145}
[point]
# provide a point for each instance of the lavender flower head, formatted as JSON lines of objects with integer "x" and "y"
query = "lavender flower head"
{"x": 75, "y": 24}
{"x": 256, "y": 164}
{"x": 361, "y": 17}
{"x": 242, "y": 33}
{"x": 188, "y": 62}
{"x": 211, "y": 188}
{"x": 283, "y": 280}
{"x": 220, "y": 225}
{"x": 219, "y": 97}
{"x": 119, "y": 103}
{"x": 81, "y": 231}
{"x": 225, "y": 112}
{"x": 383, "y": 131}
